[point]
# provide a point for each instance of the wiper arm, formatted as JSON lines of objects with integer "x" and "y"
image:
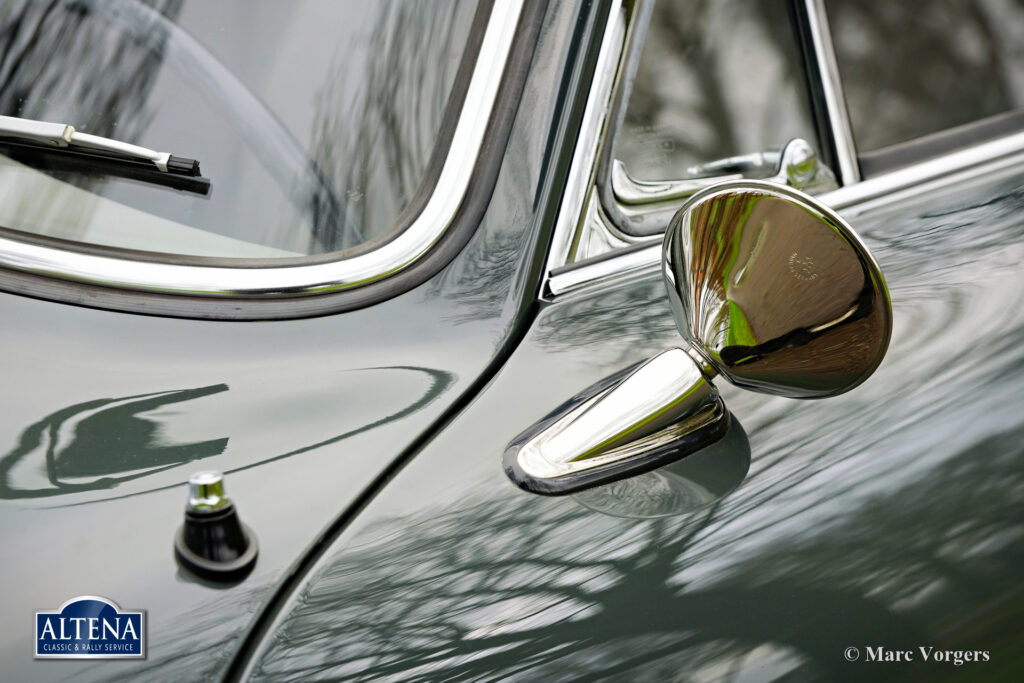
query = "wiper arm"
{"x": 48, "y": 142}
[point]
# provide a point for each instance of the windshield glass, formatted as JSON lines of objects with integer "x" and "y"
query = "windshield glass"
{"x": 315, "y": 122}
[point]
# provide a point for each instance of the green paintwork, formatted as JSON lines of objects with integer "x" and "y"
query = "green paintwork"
{"x": 888, "y": 516}
{"x": 106, "y": 414}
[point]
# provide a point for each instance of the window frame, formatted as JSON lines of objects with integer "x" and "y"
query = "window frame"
{"x": 589, "y": 248}
{"x": 626, "y": 200}
{"x": 490, "y": 76}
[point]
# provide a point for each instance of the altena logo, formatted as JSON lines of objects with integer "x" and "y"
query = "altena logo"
{"x": 90, "y": 627}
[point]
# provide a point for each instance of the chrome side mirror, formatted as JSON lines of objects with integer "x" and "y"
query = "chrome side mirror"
{"x": 775, "y": 291}
{"x": 769, "y": 288}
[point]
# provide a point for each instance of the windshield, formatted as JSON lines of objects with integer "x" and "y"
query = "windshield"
{"x": 315, "y": 122}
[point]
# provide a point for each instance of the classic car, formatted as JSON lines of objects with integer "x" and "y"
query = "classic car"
{"x": 369, "y": 272}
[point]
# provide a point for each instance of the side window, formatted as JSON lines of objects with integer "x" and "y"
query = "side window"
{"x": 911, "y": 71}
{"x": 715, "y": 79}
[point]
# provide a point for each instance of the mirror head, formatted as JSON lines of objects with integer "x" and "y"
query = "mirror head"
{"x": 775, "y": 291}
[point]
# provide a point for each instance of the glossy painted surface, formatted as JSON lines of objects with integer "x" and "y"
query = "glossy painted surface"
{"x": 106, "y": 414}
{"x": 888, "y": 516}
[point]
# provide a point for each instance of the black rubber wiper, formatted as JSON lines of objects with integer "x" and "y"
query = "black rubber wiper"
{"x": 59, "y": 147}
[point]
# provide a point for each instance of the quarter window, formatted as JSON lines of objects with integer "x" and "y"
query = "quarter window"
{"x": 715, "y": 79}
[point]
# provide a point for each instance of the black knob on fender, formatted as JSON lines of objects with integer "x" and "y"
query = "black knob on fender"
{"x": 213, "y": 542}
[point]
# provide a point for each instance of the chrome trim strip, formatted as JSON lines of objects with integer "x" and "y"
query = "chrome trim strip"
{"x": 320, "y": 278}
{"x": 955, "y": 168}
{"x": 832, "y": 88}
{"x": 584, "y": 160}
{"x": 599, "y": 233}
{"x": 986, "y": 157}
{"x": 587, "y": 273}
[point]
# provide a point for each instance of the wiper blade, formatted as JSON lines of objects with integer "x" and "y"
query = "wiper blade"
{"x": 46, "y": 143}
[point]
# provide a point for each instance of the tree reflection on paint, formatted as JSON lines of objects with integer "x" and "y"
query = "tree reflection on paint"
{"x": 111, "y": 442}
{"x": 491, "y": 590}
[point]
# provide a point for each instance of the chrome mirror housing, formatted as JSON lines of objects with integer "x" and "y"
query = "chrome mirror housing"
{"x": 775, "y": 291}
{"x": 769, "y": 288}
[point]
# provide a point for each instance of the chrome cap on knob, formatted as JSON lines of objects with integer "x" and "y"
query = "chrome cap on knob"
{"x": 206, "y": 491}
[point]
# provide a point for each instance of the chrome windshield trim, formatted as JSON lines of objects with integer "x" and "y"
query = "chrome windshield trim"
{"x": 958, "y": 167}
{"x": 832, "y": 90}
{"x": 316, "y": 278}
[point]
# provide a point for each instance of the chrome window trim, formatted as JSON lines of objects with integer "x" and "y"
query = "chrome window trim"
{"x": 573, "y": 267}
{"x": 988, "y": 158}
{"x": 315, "y": 278}
{"x": 628, "y": 191}
{"x": 832, "y": 92}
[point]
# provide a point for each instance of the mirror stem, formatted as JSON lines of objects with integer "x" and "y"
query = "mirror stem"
{"x": 667, "y": 397}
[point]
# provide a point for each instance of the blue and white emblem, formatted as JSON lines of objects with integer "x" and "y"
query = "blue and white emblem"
{"x": 90, "y": 627}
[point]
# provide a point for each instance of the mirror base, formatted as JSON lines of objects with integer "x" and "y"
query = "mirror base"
{"x": 632, "y": 422}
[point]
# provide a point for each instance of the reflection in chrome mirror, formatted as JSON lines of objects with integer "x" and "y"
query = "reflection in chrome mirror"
{"x": 769, "y": 288}
{"x": 775, "y": 291}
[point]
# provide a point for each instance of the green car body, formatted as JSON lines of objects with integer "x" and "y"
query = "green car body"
{"x": 364, "y": 450}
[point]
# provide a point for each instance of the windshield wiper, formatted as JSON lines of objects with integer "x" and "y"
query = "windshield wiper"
{"x": 58, "y": 146}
